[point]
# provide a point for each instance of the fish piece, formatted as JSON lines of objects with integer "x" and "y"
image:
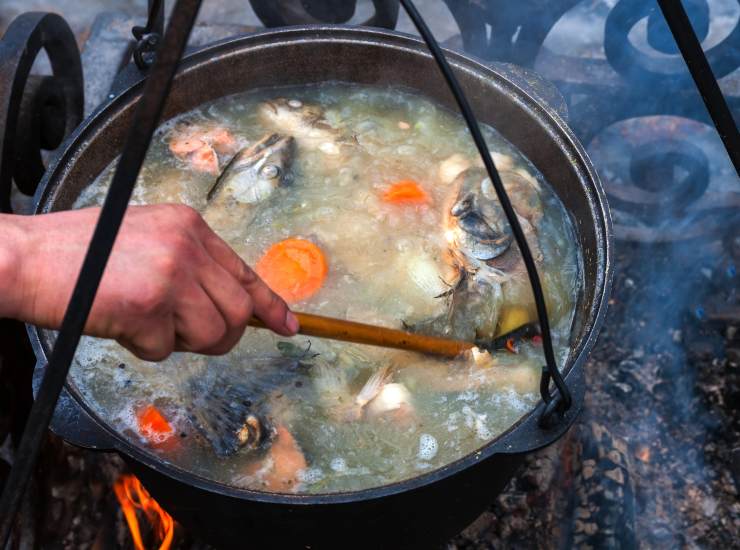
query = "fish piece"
{"x": 373, "y": 386}
{"x": 200, "y": 146}
{"x": 451, "y": 167}
{"x": 221, "y": 139}
{"x": 279, "y": 470}
{"x": 182, "y": 146}
{"x": 232, "y": 411}
{"x": 250, "y": 178}
{"x": 393, "y": 398}
{"x": 454, "y": 165}
{"x": 502, "y": 161}
{"x": 224, "y": 417}
{"x": 524, "y": 192}
{"x": 488, "y": 372}
{"x": 477, "y": 233}
{"x": 340, "y": 404}
{"x": 204, "y": 159}
{"x": 471, "y": 312}
{"x": 304, "y": 121}
{"x": 255, "y": 171}
{"x": 477, "y": 229}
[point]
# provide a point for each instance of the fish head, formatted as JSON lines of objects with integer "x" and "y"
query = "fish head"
{"x": 477, "y": 229}
{"x": 269, "y": 158}
{"x": 257, "y": 170}
{"x": 290, "y": 115}
{"x": 236, "y": 414}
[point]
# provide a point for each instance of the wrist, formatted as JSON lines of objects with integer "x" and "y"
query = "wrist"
{"x": 13, "y": 247}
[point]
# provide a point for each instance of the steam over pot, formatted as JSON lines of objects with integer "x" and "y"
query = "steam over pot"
{"x": 436, "y": 505}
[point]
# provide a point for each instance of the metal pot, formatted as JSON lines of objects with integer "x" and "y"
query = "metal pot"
{"x": 422, "y": 511}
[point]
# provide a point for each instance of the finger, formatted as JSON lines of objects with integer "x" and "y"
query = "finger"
{"x": 199, "y": 325}
{"x": 152, "y": 341}
{"x": 267, "y": 305}
{"x": 231, "y": 299}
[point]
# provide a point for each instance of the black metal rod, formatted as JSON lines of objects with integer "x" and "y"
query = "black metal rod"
{"x": 144, "y": 123}
{"x": 480, "y": 142}
{"x": 690, "y": 47}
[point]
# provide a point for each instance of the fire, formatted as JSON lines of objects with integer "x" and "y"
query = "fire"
{"x": 643, "y": 453}
{"x": 133, "y": 496}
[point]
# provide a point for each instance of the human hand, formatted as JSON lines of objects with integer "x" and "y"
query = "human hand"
{"x": 171, "y": 284}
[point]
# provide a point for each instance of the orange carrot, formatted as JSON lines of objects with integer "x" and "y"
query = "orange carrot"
{"x": 153, "y": 425}
{"x": 406, "y": 192}
{"x": 293, "y": 268}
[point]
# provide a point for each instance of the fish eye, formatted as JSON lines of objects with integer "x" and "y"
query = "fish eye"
{"x": 270, "y": 171}
{"x": 295, "y": 104}
{"x": 244, "y": 435}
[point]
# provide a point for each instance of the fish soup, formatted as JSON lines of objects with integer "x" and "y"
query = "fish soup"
{"x": 369, "y": 204}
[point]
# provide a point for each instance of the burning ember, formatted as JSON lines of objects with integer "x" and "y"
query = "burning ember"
{"x": 133, "y": 496}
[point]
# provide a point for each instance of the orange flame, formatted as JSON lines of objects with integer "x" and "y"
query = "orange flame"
{"x": 643, "y": 453}
{"x": 133, "y": 496}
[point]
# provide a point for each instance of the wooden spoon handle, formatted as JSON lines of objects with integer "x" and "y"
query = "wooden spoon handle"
{"x": 360, "y": 333}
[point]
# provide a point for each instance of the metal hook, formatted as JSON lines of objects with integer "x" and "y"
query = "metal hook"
{"x": 149, "y": 37}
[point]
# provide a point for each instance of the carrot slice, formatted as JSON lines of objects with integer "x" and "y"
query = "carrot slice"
{"x": 406, "y": 192}
{"x": 294, "y": 268}
{"x": 153, "y": 425}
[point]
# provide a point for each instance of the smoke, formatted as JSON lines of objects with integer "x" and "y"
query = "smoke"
{"x": 675, "y": 201}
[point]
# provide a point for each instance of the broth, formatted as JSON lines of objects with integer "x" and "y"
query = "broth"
{"x": 387, "y": 250}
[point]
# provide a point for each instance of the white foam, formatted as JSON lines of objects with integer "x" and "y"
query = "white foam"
{"x": 428, "y": 447}
{"x": 311, "y": 475}
{"x": 477, "y": 422}
{"x": 338, "y": 464}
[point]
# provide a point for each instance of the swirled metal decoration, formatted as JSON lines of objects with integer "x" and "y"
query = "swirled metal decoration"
{"x": 36, "y": 112}
{"x": 279, "y": 13}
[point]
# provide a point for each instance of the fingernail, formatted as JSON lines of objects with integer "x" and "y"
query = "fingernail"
{"x": 291, "y": 322}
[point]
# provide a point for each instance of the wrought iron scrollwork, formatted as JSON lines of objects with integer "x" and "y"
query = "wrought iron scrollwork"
{"x": 641, "y": 88}
{"x": 279, "y": 13}
{"x": 36, "y": 112}
{"x": 517, "y": 29}
{"x": 643, "y": 69}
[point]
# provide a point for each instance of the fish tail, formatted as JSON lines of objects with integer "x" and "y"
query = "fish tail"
{"x": 373, "y": 386}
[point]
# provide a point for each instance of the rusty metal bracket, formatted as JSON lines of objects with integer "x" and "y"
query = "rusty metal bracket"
{"x": 149, "y": 37}
{"x": 36, "y": 112}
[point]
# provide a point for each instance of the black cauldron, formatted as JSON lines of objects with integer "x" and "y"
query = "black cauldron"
{"x": 419, "y": 512}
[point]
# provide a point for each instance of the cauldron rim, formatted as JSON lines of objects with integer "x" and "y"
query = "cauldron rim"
{"x": 503, "y": 443}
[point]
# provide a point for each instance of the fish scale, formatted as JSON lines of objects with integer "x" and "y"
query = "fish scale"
{"x": 231, "y": 412}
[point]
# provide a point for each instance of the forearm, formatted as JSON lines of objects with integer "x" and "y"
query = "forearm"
{"x": 171, "y": 283}
{"x": 14, "y": 242}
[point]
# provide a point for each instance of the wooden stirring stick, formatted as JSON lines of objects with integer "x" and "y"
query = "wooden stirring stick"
{"x": 360, "y": 333}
